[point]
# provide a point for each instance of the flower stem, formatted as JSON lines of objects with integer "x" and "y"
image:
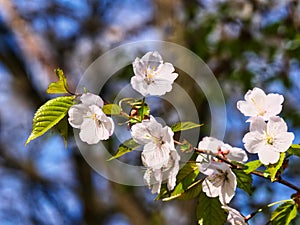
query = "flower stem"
{"x": 251, "y": 215}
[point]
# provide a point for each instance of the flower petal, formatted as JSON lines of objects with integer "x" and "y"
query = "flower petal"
{"x": 154, "y": 155}
{"x": 209, "y": 189}
{"x": 174, "y": 168}
{"x": 237, "y": 154}
{"x": 276, "y": 125}
{"x": 228, "y": 188}
{"x": 147, "y": 131}
{"x": 76, "y": 114}
{"x": 91, "y": 99}
{"x": 258, "y": 124}
{"x": 152, "y": 59}
{"x": 139, "y": 68}
{"x": 247, "y": 108}
{"x": 268, "y": 155}
{"x": 211, "y": 144}
{"x": 273, "y": 104}
{"x": 165, "y": 71}
{"x": 89, "y": 131}
{"x": 253, "y": 142}
{"x": 283, "y": 141}
{"x": 139, "y": 85}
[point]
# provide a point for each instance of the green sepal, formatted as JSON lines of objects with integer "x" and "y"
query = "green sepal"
{"x": 49, "y": 114}
{"x": 60, "y": 86}
{"x": 181, "y": 126}
{"x": 127, "y": 146}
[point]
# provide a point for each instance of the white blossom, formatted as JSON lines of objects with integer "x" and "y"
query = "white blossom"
{"x": 268, "y": 139}
{"x": 234, "y": 217}
{"x": 157, "y": 140}
{"x": 159, "y": 155}
{"x": 218, "y": 147}
{"x": 154, "y": 177}
{"x": 220, "y": 181}
{"x": 258, "y": 104}
{"x": 151, "y": 75}
{"x": 88, "y": 116}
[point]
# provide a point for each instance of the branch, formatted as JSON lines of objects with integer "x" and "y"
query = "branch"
{"x": 234, "y": 166}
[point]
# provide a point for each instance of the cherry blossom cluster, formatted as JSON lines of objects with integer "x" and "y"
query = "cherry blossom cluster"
{"x": 220, "y": 180}
{"x": 151, "y": 77}
{"x": 268, "y": 135}
{"x": 154, "y": 77}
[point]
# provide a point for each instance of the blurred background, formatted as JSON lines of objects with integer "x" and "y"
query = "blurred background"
{"x": 246, "y": 43}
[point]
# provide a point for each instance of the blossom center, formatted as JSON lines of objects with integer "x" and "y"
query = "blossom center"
{"x": 156, "y": 140}
{"x": 217, "y": 179}
{"x": 268, "y": 138}
{"x": 97, "y": 121}
{"x": 150, "y": 74}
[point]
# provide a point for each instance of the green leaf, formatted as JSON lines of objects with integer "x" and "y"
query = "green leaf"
{"x": 252, "y": 165}
{"x": 209, "y": 211}
{"x": 127, "y": 146}
{"x": 244, "y": 180}
{"x": 190, "y": 192}
{"x": 49, "y": 114}
{"x": 189, "y": 169}
{"x": 185, "y": 178}
{"x": 111, "y": 109}
{"x": 62, "y": 128}
{"x": 181, "y": 126}
{"x": 294, "y": 150}
{"x": 60, "y": 86}
{"x": 273, "y": 169}
{"x": 284, "y": 213}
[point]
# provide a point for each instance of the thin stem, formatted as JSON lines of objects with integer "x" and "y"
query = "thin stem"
{"x": 251, "y": 215}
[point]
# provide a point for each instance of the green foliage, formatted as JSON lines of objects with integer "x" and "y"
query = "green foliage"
{"x": 185, "y": 188}
{"x": 244, "y": 180}
{"x": 60, "y": 86}
{"x": 127, "y": 146}
{"x": 294, "y": 150}
{"x": 185, "y": 146}
{"x": 190, "y": 192}
{"x": 284, "y": 213}
{"x": 209, "y": 211}
{"x": 252, "y": 166}
{"x": 63, "y": 128}
{"x": 275, "y": 169}
{"x": 181, "y": 126}
{"x": 111, "y": 109}
{"x": 139, "y": 110}
{"x": 49, "y": 114}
